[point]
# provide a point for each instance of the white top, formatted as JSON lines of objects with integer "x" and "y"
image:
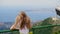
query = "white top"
{"x": 23, "y": 31}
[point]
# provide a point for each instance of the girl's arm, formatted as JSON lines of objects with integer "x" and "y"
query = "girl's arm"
{"x": 15, "y": 24}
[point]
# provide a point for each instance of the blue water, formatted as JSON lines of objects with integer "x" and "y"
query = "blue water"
{"x": 9, "y": 14}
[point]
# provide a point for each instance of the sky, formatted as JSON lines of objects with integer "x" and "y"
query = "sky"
{"x": 35, "y": 9}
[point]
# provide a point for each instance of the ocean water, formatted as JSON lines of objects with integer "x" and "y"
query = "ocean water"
{"x": 9, "y": 14}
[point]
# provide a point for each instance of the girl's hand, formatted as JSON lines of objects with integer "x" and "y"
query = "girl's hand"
{"x": 12, "y": 27}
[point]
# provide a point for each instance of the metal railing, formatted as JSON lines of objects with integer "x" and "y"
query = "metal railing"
{"x": 4, "y": 31}
{"x": 36, "y": 30}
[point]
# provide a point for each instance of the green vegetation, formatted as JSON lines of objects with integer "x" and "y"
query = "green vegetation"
{"x": 48, "y": 30}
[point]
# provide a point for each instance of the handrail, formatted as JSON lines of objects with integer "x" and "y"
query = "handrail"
{"x": 45, "y": 26}
{"x": 3, "y": 31}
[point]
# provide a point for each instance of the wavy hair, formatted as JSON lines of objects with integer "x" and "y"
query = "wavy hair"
{"x": 24, "y": 20}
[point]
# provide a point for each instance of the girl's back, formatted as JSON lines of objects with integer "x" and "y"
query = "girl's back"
{"x": 24, "y": 31}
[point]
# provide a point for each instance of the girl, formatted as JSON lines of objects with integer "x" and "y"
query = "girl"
{"x": 22, "y": 23}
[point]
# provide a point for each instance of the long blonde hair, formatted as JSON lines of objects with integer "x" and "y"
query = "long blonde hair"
{"x": 24, "y": 20}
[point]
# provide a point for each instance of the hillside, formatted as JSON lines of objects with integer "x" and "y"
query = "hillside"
{"x": 48, "y": 21}
{"x": 49, "y": 30}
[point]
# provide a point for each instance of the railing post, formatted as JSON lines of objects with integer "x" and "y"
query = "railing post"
{"x": 33, "y": 30}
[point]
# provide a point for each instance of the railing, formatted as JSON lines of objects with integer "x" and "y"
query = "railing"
{"x": 45, "y": 26}
{"x": 4, "y": 31}
{"x": 36, "y": 30}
